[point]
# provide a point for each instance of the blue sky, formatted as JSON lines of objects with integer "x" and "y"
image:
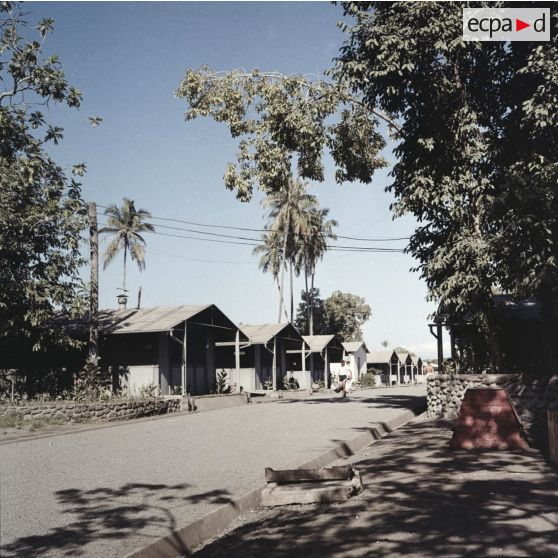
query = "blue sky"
{"x": 128, "y": 59}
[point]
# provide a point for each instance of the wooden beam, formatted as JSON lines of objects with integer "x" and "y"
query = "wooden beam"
{"x": 344, "y": 472}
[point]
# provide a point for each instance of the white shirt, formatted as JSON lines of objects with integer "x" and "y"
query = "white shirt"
{"x": 345, "y": 370}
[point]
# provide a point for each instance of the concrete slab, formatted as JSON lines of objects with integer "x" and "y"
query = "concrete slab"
{"x": 275, "y": 494}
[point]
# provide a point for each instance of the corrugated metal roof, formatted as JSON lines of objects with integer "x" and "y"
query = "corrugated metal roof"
{"x": 402, "y": 356}
{"x": 149, "y": 320}
{"x": 317, "y": 343}
{"x": 352, "y": 346}
{"x": 377, "y": 357}
{"x": 262, "y": 333}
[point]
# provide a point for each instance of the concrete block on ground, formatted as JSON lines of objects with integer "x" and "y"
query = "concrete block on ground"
{"x": 345, "y": 472}
{"x": 275, "y": 494}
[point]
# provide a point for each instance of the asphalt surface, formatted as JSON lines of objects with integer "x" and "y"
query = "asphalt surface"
{"x": 107, "y": 492}
{"x": 421, "y": 500}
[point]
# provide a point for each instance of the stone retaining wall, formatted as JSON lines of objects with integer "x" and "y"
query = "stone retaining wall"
{"x": 102, "y": 410}
{"x": 531, "y": 397}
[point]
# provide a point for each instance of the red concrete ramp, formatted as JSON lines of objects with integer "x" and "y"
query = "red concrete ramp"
{"x": 487, "y": 420}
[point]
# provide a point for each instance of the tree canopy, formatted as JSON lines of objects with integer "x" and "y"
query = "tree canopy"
{"x": 341, "y": 314}
{"x": 476, "y": 153}
{"x": 284, "y": 124}
{"x": 125, "y": 225}
{"x": 41, "y": 210}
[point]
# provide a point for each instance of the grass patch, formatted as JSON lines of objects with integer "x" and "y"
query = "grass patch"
{"x": 29, "y": 424}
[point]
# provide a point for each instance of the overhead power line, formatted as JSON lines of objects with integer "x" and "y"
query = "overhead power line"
{"x": 257, "y": 242}
{"x": 246, "y": 229}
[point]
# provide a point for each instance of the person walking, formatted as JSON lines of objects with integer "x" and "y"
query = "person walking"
{"x": 344, "y": 377}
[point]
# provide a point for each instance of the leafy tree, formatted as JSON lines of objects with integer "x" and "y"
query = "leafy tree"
{"x": 318, "y": 313}
{"x": 42, "y": 213}
{"x": 476, "y": 157}
{"x": 346, "y": 314}
{"x": 283, "y": 121}
{"x": 341, "y": 314}
{"x": 125, "y": 224}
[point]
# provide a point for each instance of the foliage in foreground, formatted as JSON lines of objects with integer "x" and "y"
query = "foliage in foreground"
{"x": 42, "y": 213}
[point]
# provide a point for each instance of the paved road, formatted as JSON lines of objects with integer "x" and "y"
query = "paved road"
{"x": 106, "y": 492}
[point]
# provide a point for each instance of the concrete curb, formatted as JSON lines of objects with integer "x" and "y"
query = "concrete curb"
{"x": 184, "y": 540}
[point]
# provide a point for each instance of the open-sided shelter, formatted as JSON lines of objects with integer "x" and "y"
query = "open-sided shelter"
{"x": 405, "y": 367}
{"x": 271, "y": 352}
{"x": 169, "y": 347}
{"x": 417, "y": 372}
{"x": 387, "y": 363}
{"x": 324, "y": 349}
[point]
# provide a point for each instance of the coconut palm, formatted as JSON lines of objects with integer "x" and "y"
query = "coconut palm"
{"x": 293, "y": 239}
{"x": 312, "y": 247}
{"x": 125, "y": 224}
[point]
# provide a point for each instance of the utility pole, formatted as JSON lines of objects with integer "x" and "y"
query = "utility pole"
{"x": 94, "y": 283}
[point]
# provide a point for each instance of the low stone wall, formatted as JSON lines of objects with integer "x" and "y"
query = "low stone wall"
{"x": 531, "y": 397}
{"x": 103, "y": 410}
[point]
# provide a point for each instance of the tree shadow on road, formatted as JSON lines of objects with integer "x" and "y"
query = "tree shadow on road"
{"x": 380, "y": 402}
{"x": 420, "y": 499}
{"x": 111, "y": 514}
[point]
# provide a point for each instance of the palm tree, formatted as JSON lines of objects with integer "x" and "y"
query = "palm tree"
{"x": 271, "y": 252}
{"x": 312, "y": 248}
{"x": 126, "y": 223}
{"x": 295, "y": 236}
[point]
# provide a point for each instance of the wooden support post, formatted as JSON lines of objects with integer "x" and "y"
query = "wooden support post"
{"x": 237, "y": 352}
{"x": 210, "y": 381}
{"x": 440, "y": 349}
{"x": 258, "y": 367}
{"x": 274, "y": 364}
{"x": 184, "y": 370}
{"x": 326, "y": 370}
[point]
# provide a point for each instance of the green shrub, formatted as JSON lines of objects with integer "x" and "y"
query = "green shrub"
{"x": 290, "y": 383}
{"x": 222, "y": 378}
{"x": 368, "y": 380}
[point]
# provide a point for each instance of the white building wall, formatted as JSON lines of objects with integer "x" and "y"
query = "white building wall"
{"x": 139, "y": 376}
{"x": 244, "y": 377}
{"x": 358, "y": 363}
